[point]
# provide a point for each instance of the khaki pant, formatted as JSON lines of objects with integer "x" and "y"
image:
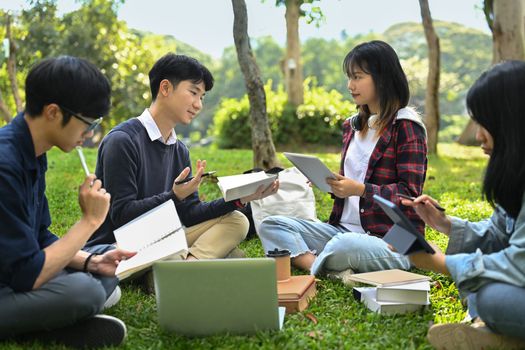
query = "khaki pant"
{"x": 217, "y": 237}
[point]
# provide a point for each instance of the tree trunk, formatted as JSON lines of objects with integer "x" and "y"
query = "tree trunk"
{"x": 11, "y": 66}
{"x": 4, "y": 110}
{"x": 263, "y": 149}
{"x": 508, "y": 33}
{"x": 506, "y": 19}
{"x": 432, "y": 93}
{"x": 293, "y": 69}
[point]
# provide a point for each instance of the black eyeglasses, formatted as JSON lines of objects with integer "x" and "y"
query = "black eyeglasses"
{"x": 92, "y": 125}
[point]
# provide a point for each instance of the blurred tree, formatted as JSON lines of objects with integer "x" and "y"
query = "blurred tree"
{"x": 323, "y": 60}
{"x": 292, "y": 65}
{"x": 432, "y": 90}
{"x": 463, "y": 57}
{"x": 263, "y": 148}
{"x": 506, "y": 20}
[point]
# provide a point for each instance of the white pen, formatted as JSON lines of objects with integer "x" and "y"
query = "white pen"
{"x": 82, "y": 160}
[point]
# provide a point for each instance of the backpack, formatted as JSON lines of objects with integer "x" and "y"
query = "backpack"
{"x": 295, "y": 198}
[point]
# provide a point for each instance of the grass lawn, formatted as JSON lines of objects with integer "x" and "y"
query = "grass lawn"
{"x": 454, "y": 179}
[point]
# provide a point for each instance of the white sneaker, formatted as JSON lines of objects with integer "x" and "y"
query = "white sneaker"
{"x": 342, "y": 276}
{"x": 461, "y": 336}
{"x": 113, "y": 298}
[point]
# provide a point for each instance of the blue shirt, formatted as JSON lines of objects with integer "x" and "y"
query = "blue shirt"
{"x": 24, "y": 212}
{"x": 491, "y": 250}
{"x": 138, "y": 173}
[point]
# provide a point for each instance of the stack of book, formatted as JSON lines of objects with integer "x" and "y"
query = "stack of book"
{"x": 394, "y": 292}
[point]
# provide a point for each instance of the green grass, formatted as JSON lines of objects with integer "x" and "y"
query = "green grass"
{"x": 454, "y": 179}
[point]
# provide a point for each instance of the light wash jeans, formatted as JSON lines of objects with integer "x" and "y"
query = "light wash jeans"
{"x": 336, "y": 249}
{"x": 65, "y": 299}
{"x": 501, "y": 307}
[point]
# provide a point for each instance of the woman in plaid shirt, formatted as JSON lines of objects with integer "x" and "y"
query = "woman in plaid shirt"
{"x": 384, "y": 152}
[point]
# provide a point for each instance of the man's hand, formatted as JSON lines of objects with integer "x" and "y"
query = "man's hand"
{"x": 343, "y": 187}
{"x": 107, "y": 263}
{"x": 94, "y": 201}
{"x": 262, "y": 192}
{"x": 424, "y": 206}
{"x": 185, "y": 189}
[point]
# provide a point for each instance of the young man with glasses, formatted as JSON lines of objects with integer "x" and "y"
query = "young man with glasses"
{"x": 50, "y": 290}
{"x": 141, "y": 163}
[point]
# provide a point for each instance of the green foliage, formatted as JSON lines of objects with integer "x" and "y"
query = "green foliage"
{"x": 308, "y": 9}
{"x": 464, "y": 55}
{"x": 453, "y": 179}
{"x": 451, "y": 126}
{"x": 126, "y": 55}
{"x": 93, "y": 32}
{"x": 318, "y": 120}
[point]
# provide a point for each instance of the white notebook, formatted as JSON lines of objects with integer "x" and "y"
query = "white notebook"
{"x": 367, "y": 295}
{"x": 410, "y": 293}
{"x": 238, "y": 186}
{"x": 155, "y": 235}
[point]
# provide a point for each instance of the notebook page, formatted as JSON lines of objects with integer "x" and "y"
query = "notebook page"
{"x": 149, "y": 227}
{"x": 172, "y": 244}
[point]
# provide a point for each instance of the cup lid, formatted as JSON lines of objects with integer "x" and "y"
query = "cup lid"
{"x": 277, "y": 253}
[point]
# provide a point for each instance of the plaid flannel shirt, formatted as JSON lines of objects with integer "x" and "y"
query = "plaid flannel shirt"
{"x": 398, "y": 164}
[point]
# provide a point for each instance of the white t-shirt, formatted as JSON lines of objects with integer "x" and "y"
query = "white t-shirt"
{"x": 356, "y": 164}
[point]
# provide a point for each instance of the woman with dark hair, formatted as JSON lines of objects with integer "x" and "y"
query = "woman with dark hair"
{"x": 384, "y": 152}
{"x": 486, "y": 259}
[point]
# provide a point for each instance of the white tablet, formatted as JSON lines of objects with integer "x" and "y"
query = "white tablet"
{"x": 312, "y": 168}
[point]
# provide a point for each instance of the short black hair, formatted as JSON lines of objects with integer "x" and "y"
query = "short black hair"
{"x": 380, "y": 60}
{"x": 70, "y": 82}
{"x": 177, "y": 68}
{"x": 496, "y": 102}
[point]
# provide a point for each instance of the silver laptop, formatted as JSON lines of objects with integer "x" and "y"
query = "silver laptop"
{"x": 205, "y": 297}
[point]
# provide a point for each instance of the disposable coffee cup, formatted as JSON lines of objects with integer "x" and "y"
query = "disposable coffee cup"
{"x": 282, "y": 263}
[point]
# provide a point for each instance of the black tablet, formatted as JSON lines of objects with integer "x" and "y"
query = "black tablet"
{"x": 403, "y": 236}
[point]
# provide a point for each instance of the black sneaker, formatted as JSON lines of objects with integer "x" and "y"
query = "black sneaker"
{"x": 95, "y": 332}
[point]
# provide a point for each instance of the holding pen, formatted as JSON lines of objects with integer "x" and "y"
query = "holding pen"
{"x": 82, "y": 160}
{"x": 191, "y": 178}
{"x": 437, "y": 206}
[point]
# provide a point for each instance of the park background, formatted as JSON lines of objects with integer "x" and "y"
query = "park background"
{"x": 125, "y": 38}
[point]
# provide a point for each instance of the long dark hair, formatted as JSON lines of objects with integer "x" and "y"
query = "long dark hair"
{"x": 496, "y": 102}
{"x": 379, "y": 59}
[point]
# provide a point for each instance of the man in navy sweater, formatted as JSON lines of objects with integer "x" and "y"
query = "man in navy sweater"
{"x": 50, "y": 290}
{"x": 141, "y": 160}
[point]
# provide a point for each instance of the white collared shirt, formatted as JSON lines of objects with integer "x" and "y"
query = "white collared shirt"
{"x": 153, "y": 130}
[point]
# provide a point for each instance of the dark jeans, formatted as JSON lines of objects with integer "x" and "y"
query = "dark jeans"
{"x": 67, "y": 298}
{"x": 501, "y": 306}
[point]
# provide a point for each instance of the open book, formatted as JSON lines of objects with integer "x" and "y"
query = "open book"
{"x": 155, "y": 235}
{"x": 238, "y": 186}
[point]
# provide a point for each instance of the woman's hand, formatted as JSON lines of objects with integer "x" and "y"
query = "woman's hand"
{"x": 343, "y": 187}
{"x": 424, "y": 206}
{"x": 434, "y": 262}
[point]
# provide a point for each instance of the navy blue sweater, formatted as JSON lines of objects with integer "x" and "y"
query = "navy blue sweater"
{"x": 139, "y": 175}
{"x": 24, "y": 212}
